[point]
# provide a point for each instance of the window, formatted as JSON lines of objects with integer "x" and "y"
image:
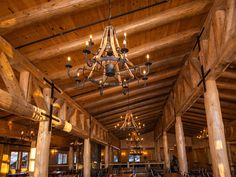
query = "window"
{"x": 131, "y": 158}
{"x": 24, "y": 160}
{"x": 62, "y": 158}
{"x": 14, "y": 160}
{"x": 115, "y": 158}
{"x": 137, "y": 158}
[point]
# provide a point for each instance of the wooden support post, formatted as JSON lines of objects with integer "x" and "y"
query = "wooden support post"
{"x": 158, "y": 151}
{"x": 77, "y": 158}
{"x": 71, "y": 158}
{"x": 180, "y": 142}
{"x": 87, "y": 157}
{"x": 9, "y": 77}
{"x": 166, "y": 151}
{"x": 110, "y": 154}
{"x": 82, "y": 120}
{"x": 230, "y": 156}
{"x": 209, "y": 155}
{"x": 63, "y": 112}
{"x": 26, "y": 85}
{"x": 218, "y": 149}
{"x": 106, "y": 156}
{"x": 43, "y": 143}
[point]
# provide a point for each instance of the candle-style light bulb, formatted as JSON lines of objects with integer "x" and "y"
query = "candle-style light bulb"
{"x": 86, "y": 43}
{"x": 68, "y": 59}
{"x": 90, "y": 36}
{"x": 147, "y": 56}
{"x": 124, "y": 42}
{"x": 78, "y": 74}
{"x": 144, "y": 72}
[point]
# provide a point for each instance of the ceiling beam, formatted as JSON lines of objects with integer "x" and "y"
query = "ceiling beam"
{"x": 184, "y": 11}
{"x": 186, "y": 90}
{"x": 142, "y": 119}
{"x": 132, "y": 93}
{"x": 105, "y": 105}
{"x": 43, "y": 12}
{"x": 136, "y": 112}
{"x": 132, "y": 106}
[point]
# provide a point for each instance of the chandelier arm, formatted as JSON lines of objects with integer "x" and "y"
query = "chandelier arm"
{"x": 117, "y": 42}
{"x": 118, "y": 73}
{"x": 91, "y": 72}
{"x": 130, "y": 73}
{"x": 103, "y": 44}
{"x": 68, "y": 72}
{"x": 129, "y": 62}
{"x": 113, "y": 43}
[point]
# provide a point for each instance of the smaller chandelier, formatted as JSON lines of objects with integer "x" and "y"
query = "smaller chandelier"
{"x": 203, "y": 134}
{"x": 129, "y": 122}
{"x": 134, "y": 140}
{"x": 134, "y": 137}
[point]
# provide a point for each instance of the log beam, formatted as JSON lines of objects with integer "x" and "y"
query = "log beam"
{"x": 183, "y": 94}
{"x": 43, "y": 142}
{"x": 166, "y": 151}
{"x": 42, "y": 12}
{"x": 184, "y": 11}
{"x": 8, "y": 76}
{"x": 180, "y": 142}
{"x": 217, "y": 143}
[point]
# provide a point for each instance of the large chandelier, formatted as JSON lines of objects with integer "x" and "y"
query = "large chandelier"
{"x": 109, "y": 64}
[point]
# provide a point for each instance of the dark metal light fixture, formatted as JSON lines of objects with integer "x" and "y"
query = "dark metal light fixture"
{"x": 109, "y": 66}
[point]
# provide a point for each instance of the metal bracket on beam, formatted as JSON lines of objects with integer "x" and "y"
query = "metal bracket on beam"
{"x": 50, "y": 116}
{"x": 203, "y": 74}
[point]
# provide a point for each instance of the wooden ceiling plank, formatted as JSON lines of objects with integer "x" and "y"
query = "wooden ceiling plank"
{"x": 184, "y": 11}
{"x": 43, "y": 12}
{"x": 217, "y": 63}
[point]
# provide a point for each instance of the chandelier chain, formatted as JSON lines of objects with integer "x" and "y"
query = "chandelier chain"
{"x": 109, "y": 12}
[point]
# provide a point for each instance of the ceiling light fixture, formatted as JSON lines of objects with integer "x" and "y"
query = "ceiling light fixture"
{"x": 109, "y": 65}
{"x": 129, "y": 123}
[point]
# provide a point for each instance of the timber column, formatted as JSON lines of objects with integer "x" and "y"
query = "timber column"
{"x": 180, "y": 142}
{"x": 166, "y": 151}
{"x": 43, "y": 143}
{"x": 87, "y": 157}
{"x": 106, "y": 156}
{"x": 71, "y": 158}
{"x": 218, "y": 149}
{"x": 158, "y": 151}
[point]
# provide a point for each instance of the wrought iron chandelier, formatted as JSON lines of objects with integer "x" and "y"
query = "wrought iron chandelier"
{"x": 110, "y": 62}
